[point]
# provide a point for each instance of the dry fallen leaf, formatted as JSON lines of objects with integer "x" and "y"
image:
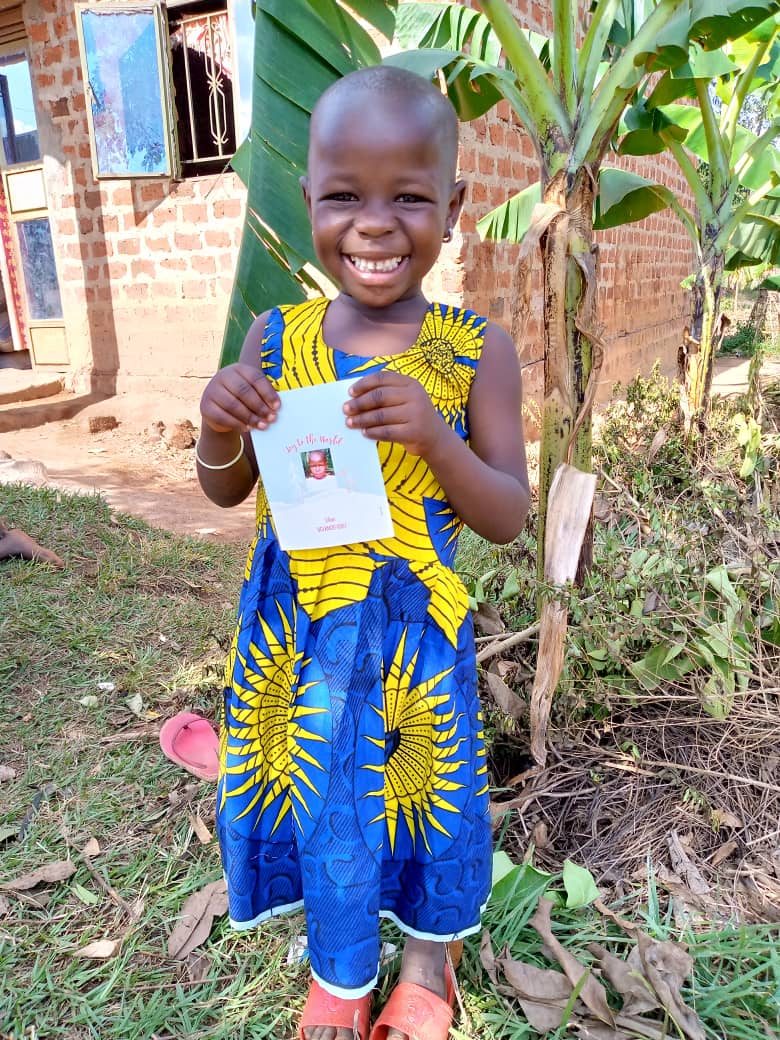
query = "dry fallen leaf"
{"x": 91, "y": 849}
{"x": 592, "y": 993}
{"x": 49, "y": 874}
{"x": 204, "y": 835}
{"x": 539, "y": 835}
{"x": 661, "y": 437}
{"x": 7, "y": 773}
{"x": 683, "y": 865}
{"x": 723, "y": 818}
{"x": 506, "y": 699}
{"x": 5, "y": 906}
{"x": 100, "y": 950}
{"x": 666, "y": 966}
{"x": 628, "y": 979}
{"x": 723, "y": 852}
{"x": 196, "y": 919}
{"x": 488, "y": 620}
{"x": 198, "y": 967}
{"x": 543, "y": 995}
{"x": 592, "y": 1030}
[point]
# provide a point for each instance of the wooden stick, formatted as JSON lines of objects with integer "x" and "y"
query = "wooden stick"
{"x": 510, "y": 640}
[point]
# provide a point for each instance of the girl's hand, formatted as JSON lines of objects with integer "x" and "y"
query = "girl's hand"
{"x": 389, "y": 406}
{"x": 239, "y": 397}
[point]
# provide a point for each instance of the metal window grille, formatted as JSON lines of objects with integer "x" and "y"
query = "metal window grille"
{"x": 203, "y": 84}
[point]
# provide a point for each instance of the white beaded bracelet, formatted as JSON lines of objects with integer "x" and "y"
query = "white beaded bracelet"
{"x": 225, "y": 465}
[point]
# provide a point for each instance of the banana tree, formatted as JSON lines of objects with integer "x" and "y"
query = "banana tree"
{"x": 569, "y": 92}
{"x": 733, "y": 172}
{"x": 301, "y": 47}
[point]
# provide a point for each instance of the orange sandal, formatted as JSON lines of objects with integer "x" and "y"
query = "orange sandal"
{"x": 416, "y": 1012}
{"x": 323, "y": 1009}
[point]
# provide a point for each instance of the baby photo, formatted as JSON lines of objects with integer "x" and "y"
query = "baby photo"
{"x": 318, "y": 471}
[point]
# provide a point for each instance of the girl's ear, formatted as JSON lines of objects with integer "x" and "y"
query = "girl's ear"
{"x": 304, "y": 183}
{"x": 456, "y": 203}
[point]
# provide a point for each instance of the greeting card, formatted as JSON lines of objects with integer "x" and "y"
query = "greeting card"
{"x": 323, "y": 480}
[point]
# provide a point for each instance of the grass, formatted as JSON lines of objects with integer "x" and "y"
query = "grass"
{"x": 150, "y": 613}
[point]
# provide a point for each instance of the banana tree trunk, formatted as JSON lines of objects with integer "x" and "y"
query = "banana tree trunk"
{"x": 701, "y": 342}
{"x": 568, "y": 266}
{"x": 758, "y": 313}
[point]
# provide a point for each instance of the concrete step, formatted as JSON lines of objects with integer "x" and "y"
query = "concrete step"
{"x": 17, "y": 386}
{"x": 25, "y": 415}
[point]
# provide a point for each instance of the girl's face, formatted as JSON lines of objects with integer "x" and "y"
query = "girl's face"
{"x": 380, "y": 199}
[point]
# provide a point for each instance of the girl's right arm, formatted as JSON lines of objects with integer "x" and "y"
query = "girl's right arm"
{"x": 238, "y": 398}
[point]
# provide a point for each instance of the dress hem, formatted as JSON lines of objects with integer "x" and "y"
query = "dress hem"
{"x": 415, "y": 933}
{"x": 275, "y": 911}
{"x": 389, "y": 915}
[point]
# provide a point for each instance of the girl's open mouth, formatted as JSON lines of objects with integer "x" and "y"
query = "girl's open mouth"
{"x": 387, "y": 265}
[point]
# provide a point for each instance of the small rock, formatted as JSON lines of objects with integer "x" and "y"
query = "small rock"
{"x": 155, "y": 431}
{"x": 181, "y": 435}
{"x": 101, "y": 423}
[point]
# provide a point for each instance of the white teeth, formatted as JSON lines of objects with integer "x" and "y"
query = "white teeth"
{"x": 367, "y": 266}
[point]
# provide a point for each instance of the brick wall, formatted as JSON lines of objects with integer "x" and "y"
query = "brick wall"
{"x": 146, "y": 266}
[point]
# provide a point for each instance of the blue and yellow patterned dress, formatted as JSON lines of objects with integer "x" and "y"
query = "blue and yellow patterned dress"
{"x": 353, "y": 774}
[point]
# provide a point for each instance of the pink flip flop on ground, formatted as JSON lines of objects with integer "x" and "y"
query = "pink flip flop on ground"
{"x": 191, "y": 742}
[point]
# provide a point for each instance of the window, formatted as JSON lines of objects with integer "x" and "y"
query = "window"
{"x": 160, "y": 84}
{"x": 202, "y": 72}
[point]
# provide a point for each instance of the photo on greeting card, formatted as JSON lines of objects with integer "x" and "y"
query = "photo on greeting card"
{"x": 323, "y": 480}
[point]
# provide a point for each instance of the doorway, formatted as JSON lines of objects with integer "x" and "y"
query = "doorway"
{"x": 31, "y": 309}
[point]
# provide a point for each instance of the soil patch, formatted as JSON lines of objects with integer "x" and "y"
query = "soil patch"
{"x": 131, "y": 466}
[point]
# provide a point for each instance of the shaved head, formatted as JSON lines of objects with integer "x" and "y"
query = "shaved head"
{"x": 393, "y": 90}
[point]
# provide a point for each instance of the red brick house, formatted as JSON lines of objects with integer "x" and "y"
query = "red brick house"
{"x": 120, "y": 229}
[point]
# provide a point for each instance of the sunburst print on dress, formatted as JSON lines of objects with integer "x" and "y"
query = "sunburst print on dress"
{"x": 444, "y": 527}
{"x": 269, "y": 771}
{"x": 426, "y": 759}
{"x": 444, "y": 358}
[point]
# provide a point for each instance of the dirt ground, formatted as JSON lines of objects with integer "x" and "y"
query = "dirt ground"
{"x": 131, "y": 466}
{"x": 136, "y": 471}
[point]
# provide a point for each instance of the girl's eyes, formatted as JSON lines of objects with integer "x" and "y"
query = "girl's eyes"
{"x": 406, "y": 199}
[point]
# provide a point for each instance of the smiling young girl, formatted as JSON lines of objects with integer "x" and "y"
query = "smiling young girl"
{"x": 353, "y": 778}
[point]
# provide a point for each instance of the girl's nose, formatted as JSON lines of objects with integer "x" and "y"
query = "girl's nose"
{"x": 375, "y": 218}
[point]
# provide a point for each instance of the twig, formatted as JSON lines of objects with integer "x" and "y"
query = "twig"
{"x": 622, "y": 490}
{"x": 109, "y": 889}
{"x": 763, "y": 837}
{"x": 671, "y": 766}
{"x": 504, "y": 644}
{"x": 456, "y": 988}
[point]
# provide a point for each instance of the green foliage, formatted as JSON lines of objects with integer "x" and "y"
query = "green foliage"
{"x": 660, "y": 615}
{"x": 742, "y": 342}
{"x": 656, "y": 613}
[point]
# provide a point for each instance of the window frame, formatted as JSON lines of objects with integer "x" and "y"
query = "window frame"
{"x": 209, "y": 8}
{"x": 154, "y": 8}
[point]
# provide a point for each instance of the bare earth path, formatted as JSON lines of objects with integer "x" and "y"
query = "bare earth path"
{"x": 134, "y": 471}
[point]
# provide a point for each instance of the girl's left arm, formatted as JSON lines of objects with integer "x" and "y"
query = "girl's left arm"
{"x": 486, "y": 480}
